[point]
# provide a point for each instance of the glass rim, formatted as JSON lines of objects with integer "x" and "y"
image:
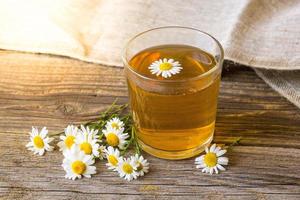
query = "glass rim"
{"x": 205, "y": 74}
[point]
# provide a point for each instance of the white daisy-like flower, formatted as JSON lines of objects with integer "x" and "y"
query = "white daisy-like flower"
{"x": 102, "y": 154}
{"x": 127, "y": 169}
{"x": 88, "y": 143}
{"x": 142, "y": 164}
{"x": 68, "y": 140}
{"x": 213, "y": 160}
{"x": 115, "y": 138}
{"x": 165, "y": 67}
{"x": 39, "y": 142}
{"x": 113, "y": 157}
{"x": 77, "y": 164}
{"x": 115, "y": 123}
{"x": 87, "y": 131}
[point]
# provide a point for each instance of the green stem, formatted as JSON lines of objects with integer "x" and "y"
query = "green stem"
{"x": 112, "y": 111}
{"x": 235, "y": 142}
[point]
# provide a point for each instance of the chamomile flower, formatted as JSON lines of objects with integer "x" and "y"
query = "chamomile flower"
{"x": 68, "y": 140}
{"x": 113, "y": 158}
{"x": 212, "y": 161}
{"x": 77, "y": 164}
{"x": 87, "y": 131}
{"x": 39, "y": 142}
{"x": 88, "y": 143}
{"x": 127, "y": 169}
{"x": 101, "y": 152}
{"x": 115, "y": 123}
{"x": 165, "y": 67}
{"x": 115, "y": 138}
{"x": 142, "y": 164}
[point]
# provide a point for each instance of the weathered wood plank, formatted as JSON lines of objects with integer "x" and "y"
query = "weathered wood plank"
{"x": 253, "y": 171}
{"x": 54, "y": 91}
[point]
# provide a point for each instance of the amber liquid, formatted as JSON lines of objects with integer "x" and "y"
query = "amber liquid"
{"x": 174, "y": 120}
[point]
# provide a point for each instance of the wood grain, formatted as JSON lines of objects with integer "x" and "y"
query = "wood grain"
{"x": 53, "y": 91}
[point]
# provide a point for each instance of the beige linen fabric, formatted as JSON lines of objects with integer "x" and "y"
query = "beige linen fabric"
{"x": 264, "y": 34}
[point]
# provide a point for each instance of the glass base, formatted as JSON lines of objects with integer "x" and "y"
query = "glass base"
{"x": 175, "y": 155}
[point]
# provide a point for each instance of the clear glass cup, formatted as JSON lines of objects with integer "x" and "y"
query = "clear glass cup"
{"x": 174, "y": 119}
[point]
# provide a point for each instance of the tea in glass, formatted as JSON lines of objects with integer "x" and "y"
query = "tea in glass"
{"x": 174, "y": 112}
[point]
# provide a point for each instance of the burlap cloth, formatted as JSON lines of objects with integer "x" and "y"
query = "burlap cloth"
{"x": 264, "y": 34}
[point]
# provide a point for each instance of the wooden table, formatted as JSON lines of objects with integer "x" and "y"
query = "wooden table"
{"x": 53, "y": 91}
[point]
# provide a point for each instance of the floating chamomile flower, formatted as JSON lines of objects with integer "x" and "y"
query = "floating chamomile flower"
{"x": 88, "y": 143}
{"x": 142, "y": 164}
{"x": 115, "y": 138}
{"x": 101, "y": 152}
{"x": 165, "y": 67}
{"x": 39, "y": 142}
{"x": 68, "y": 140}
{"x": 113, "y": 158}
{"x": 212, "y": 161}
{"x": 115, "y": 123}
{"x": 127, "y": 169}
{"x": 77, "y": 164}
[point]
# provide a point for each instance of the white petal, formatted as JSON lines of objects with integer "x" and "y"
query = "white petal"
{"x": 88, "y": 160}
{"x": 153, "y": 68}
{"x": 200, "y": 166}
{"x": 174, "y": 71}
{"x": 87, "y": 175}
{"x": 201, "y": 162}
{"x": 29, "y": 144}
{"x": 206, "y": 149}
{"x": 216, "y": 169}
{"x": 164, "y": 74}
{"x": 217, "y": 149}
{"x": 50, "y": 139}
{"x": 90, "y": 170}
{"x": 34, "y": 131}
{"x": 44, "y": 132}
{"x": 35, "y": 151}
{"x": 221, "y": 152}
{"x": 62, "y": 137}
{"x": 31, "y": 149}
{"x": 168, "y": 74}
{"x": 41, "y": 152}
{"x": 49, "y": 148}
{"x": 211, "y": 170}
{"x": 212, "y": 148}
{"x": 220, "y": 167}
{"x": 200, "y": 158}
{"x": 223, "y": 160}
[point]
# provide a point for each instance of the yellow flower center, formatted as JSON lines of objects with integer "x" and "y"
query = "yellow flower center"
{"x": 112, "y": 140}
{"x": 140, "y": 166}
{"x": 38, "y": 142}
{"x": 86, "y": 148}
{"x": 127, "y": 168}
{"x": 112, "y": 160}
{"x": 115, "y": 125}
{"x": 69, "y": 141}
{"x": 78, "y": 167}
{"x": 210, "y": 159}
{"x": 165, "y": 66}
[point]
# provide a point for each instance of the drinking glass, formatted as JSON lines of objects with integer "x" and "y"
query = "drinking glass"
{"x": 174, "y": 119}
